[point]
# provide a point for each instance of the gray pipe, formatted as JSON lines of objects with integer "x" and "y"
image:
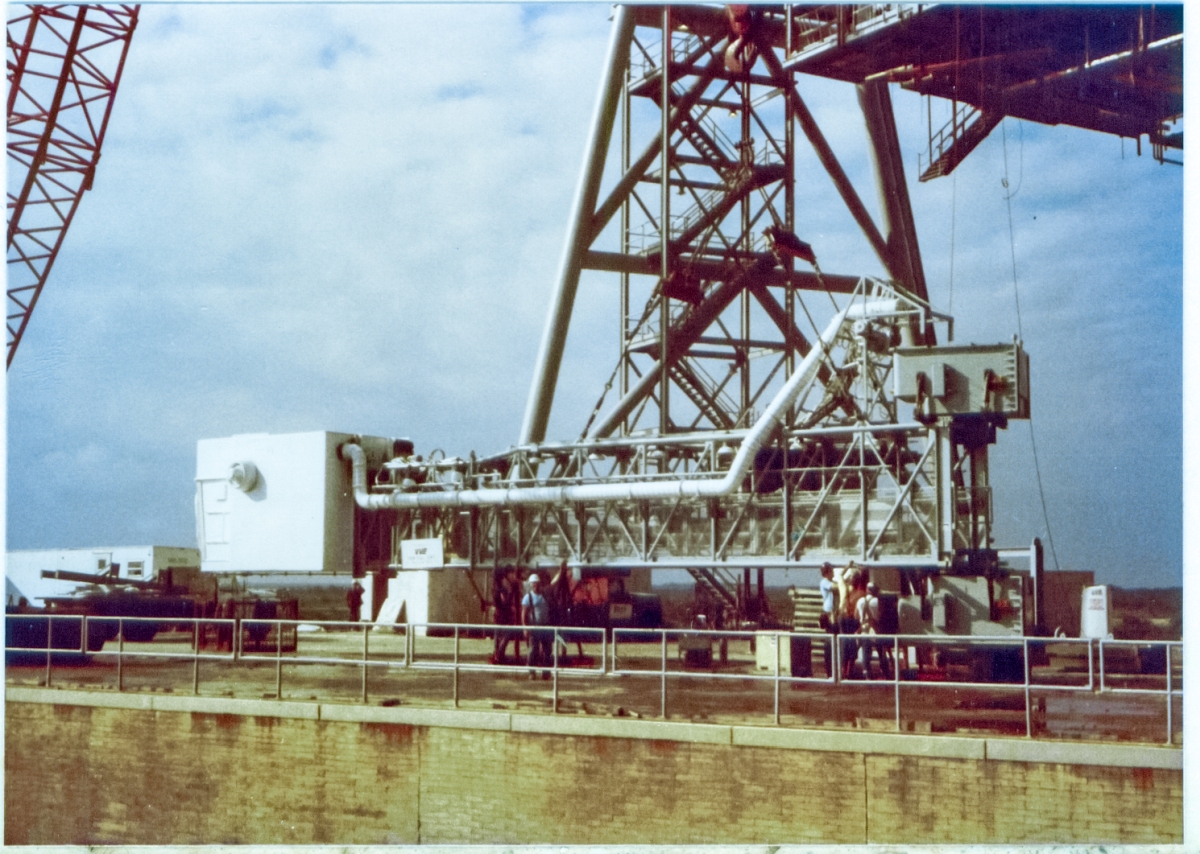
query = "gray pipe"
{"x": 638, "y": 491}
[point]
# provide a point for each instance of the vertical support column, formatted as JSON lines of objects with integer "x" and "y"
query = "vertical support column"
{"x": 789, "y": 209}
{"x": 1037, "y": 566}
{"x": 664, "y": 229}
{"x": 746, "y": 150}
{"x": 626, "y": 130}
{"x": 579, "y": 237}
{"x": 945, "y": 477}
{"x": 981, "y": 533}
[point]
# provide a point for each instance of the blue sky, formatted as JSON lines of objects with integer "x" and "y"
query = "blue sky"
{"x": 350, "y": 218}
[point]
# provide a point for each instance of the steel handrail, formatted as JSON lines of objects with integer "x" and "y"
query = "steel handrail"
{"x": 609, "y": 663}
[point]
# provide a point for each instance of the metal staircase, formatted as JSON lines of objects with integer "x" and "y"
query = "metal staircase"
{"x": 806, "y": 609}
{"x": 720, "y": 584}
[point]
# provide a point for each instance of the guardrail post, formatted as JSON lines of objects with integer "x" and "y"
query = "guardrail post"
{"x": 49, "y": 645}
{"x": 83, "y": 635}
{"x": 1028, "y": 710}
{"x": 663, "y": 694}
{"x": 1170, "y": 699}
{"x": 120, "y": 655}
{"x": 365, "y": 655}
{"x": 456, "y": 667}
{"x": 554, "y": 662}
{"x": 1100, "y": 644}
{"x": 1091, "y": 669}
{"x": 196, "y": 634}
{"x": 896, "y": 675}
{"x": 408, "y": 644}
{"x": 778, "y": 657}
{"x": 278, "y": 660}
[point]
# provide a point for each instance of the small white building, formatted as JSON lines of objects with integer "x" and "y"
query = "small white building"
{"x": 23, "y": 569}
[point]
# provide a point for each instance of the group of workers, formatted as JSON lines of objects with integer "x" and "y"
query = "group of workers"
{"x": 536, "y": 606}
{"x": 850, "y": 606}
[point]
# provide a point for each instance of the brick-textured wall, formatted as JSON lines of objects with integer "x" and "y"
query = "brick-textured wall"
{"x": 933, "y": 800}
{"x": 80, "y": 774}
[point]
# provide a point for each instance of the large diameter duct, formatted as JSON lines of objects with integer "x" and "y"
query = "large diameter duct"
{"x": 640, "y": 491}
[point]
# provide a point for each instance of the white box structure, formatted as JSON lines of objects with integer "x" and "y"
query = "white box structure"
{"x": 434, "y": 596}
{"x": 274, "y": 503}
{"x": 1094, "y": 613}
{"x": 23, "y": 569}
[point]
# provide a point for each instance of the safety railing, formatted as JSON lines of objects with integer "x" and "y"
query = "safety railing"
{"x": 71, "y": 640}
{"x": 693, "y": 669}
{"x": 1016, "y": 665}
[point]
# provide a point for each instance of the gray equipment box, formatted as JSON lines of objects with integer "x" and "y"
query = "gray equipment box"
{"x": 968, "y": 380}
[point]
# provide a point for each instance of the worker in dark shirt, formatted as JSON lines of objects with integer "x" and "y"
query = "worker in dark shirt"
{"x": 506, "y": 602}
{"x": 561, "y": 597}
{"x": 354, "y": 600}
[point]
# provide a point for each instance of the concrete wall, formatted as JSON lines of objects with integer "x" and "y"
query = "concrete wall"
{"x": 87, "y": 767}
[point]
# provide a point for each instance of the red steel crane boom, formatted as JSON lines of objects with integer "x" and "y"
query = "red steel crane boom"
{"x": 64, "y": 65}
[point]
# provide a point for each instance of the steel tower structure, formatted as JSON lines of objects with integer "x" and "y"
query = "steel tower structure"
{"x": 766, "y": 414}
{"x": 719, "y": 320}
{"x": 64, "y": 66}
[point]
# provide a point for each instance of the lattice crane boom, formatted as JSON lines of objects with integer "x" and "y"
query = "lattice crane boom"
{"x": 64, "y": 66}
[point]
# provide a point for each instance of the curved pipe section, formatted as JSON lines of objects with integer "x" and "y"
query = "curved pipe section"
{"x": 710, "y": 488}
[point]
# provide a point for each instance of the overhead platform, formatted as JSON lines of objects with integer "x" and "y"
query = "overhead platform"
{"x": 1116, "y": 69}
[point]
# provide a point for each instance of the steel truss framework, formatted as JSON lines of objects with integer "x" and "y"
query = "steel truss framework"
{"x": 64, "y": 66}
{"x": 721, "y": 309}
{"x": 882, "y": 490}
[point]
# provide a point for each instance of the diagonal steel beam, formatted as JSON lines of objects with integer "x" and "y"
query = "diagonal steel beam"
{"x": 687, "y": 330}
{"x": 903, "y": 249}
{"x": 637, "y": 169}
{"x": 59, "y": 104}
{"x": 558, "y": 321}
{"x": 828, "y": 159}
{"x": 51, "y": 121}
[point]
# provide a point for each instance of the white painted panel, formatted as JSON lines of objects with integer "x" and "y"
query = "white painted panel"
{"x": 297, "y": 517}
{"x": 421, "y": 554}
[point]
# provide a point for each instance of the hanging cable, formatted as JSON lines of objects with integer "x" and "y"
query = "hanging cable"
{"x": 1020, "y": 162}
{"x": 953, "y": 206}
{"x": 1012, "y": 245}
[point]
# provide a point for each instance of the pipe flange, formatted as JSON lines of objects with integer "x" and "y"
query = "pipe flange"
{"x": 244, "y": 476}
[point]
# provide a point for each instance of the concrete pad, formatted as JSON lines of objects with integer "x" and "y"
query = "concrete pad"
{"x": 450, "y": 718}
{"x": 582, "y": 725}
{"x": 1067, "y": 753}
{"x": 234, "y": 706}
{"x": 95, "y": 699}
{"x": 841, "y": 741}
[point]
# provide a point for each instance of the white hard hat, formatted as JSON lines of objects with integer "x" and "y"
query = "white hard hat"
{"x": 533, "y": 578}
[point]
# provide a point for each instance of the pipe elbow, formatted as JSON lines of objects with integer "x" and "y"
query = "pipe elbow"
{"x": 358, "y": 474}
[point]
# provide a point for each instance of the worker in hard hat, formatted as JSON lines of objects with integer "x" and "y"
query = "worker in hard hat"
{"x": 535, "y": 612}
